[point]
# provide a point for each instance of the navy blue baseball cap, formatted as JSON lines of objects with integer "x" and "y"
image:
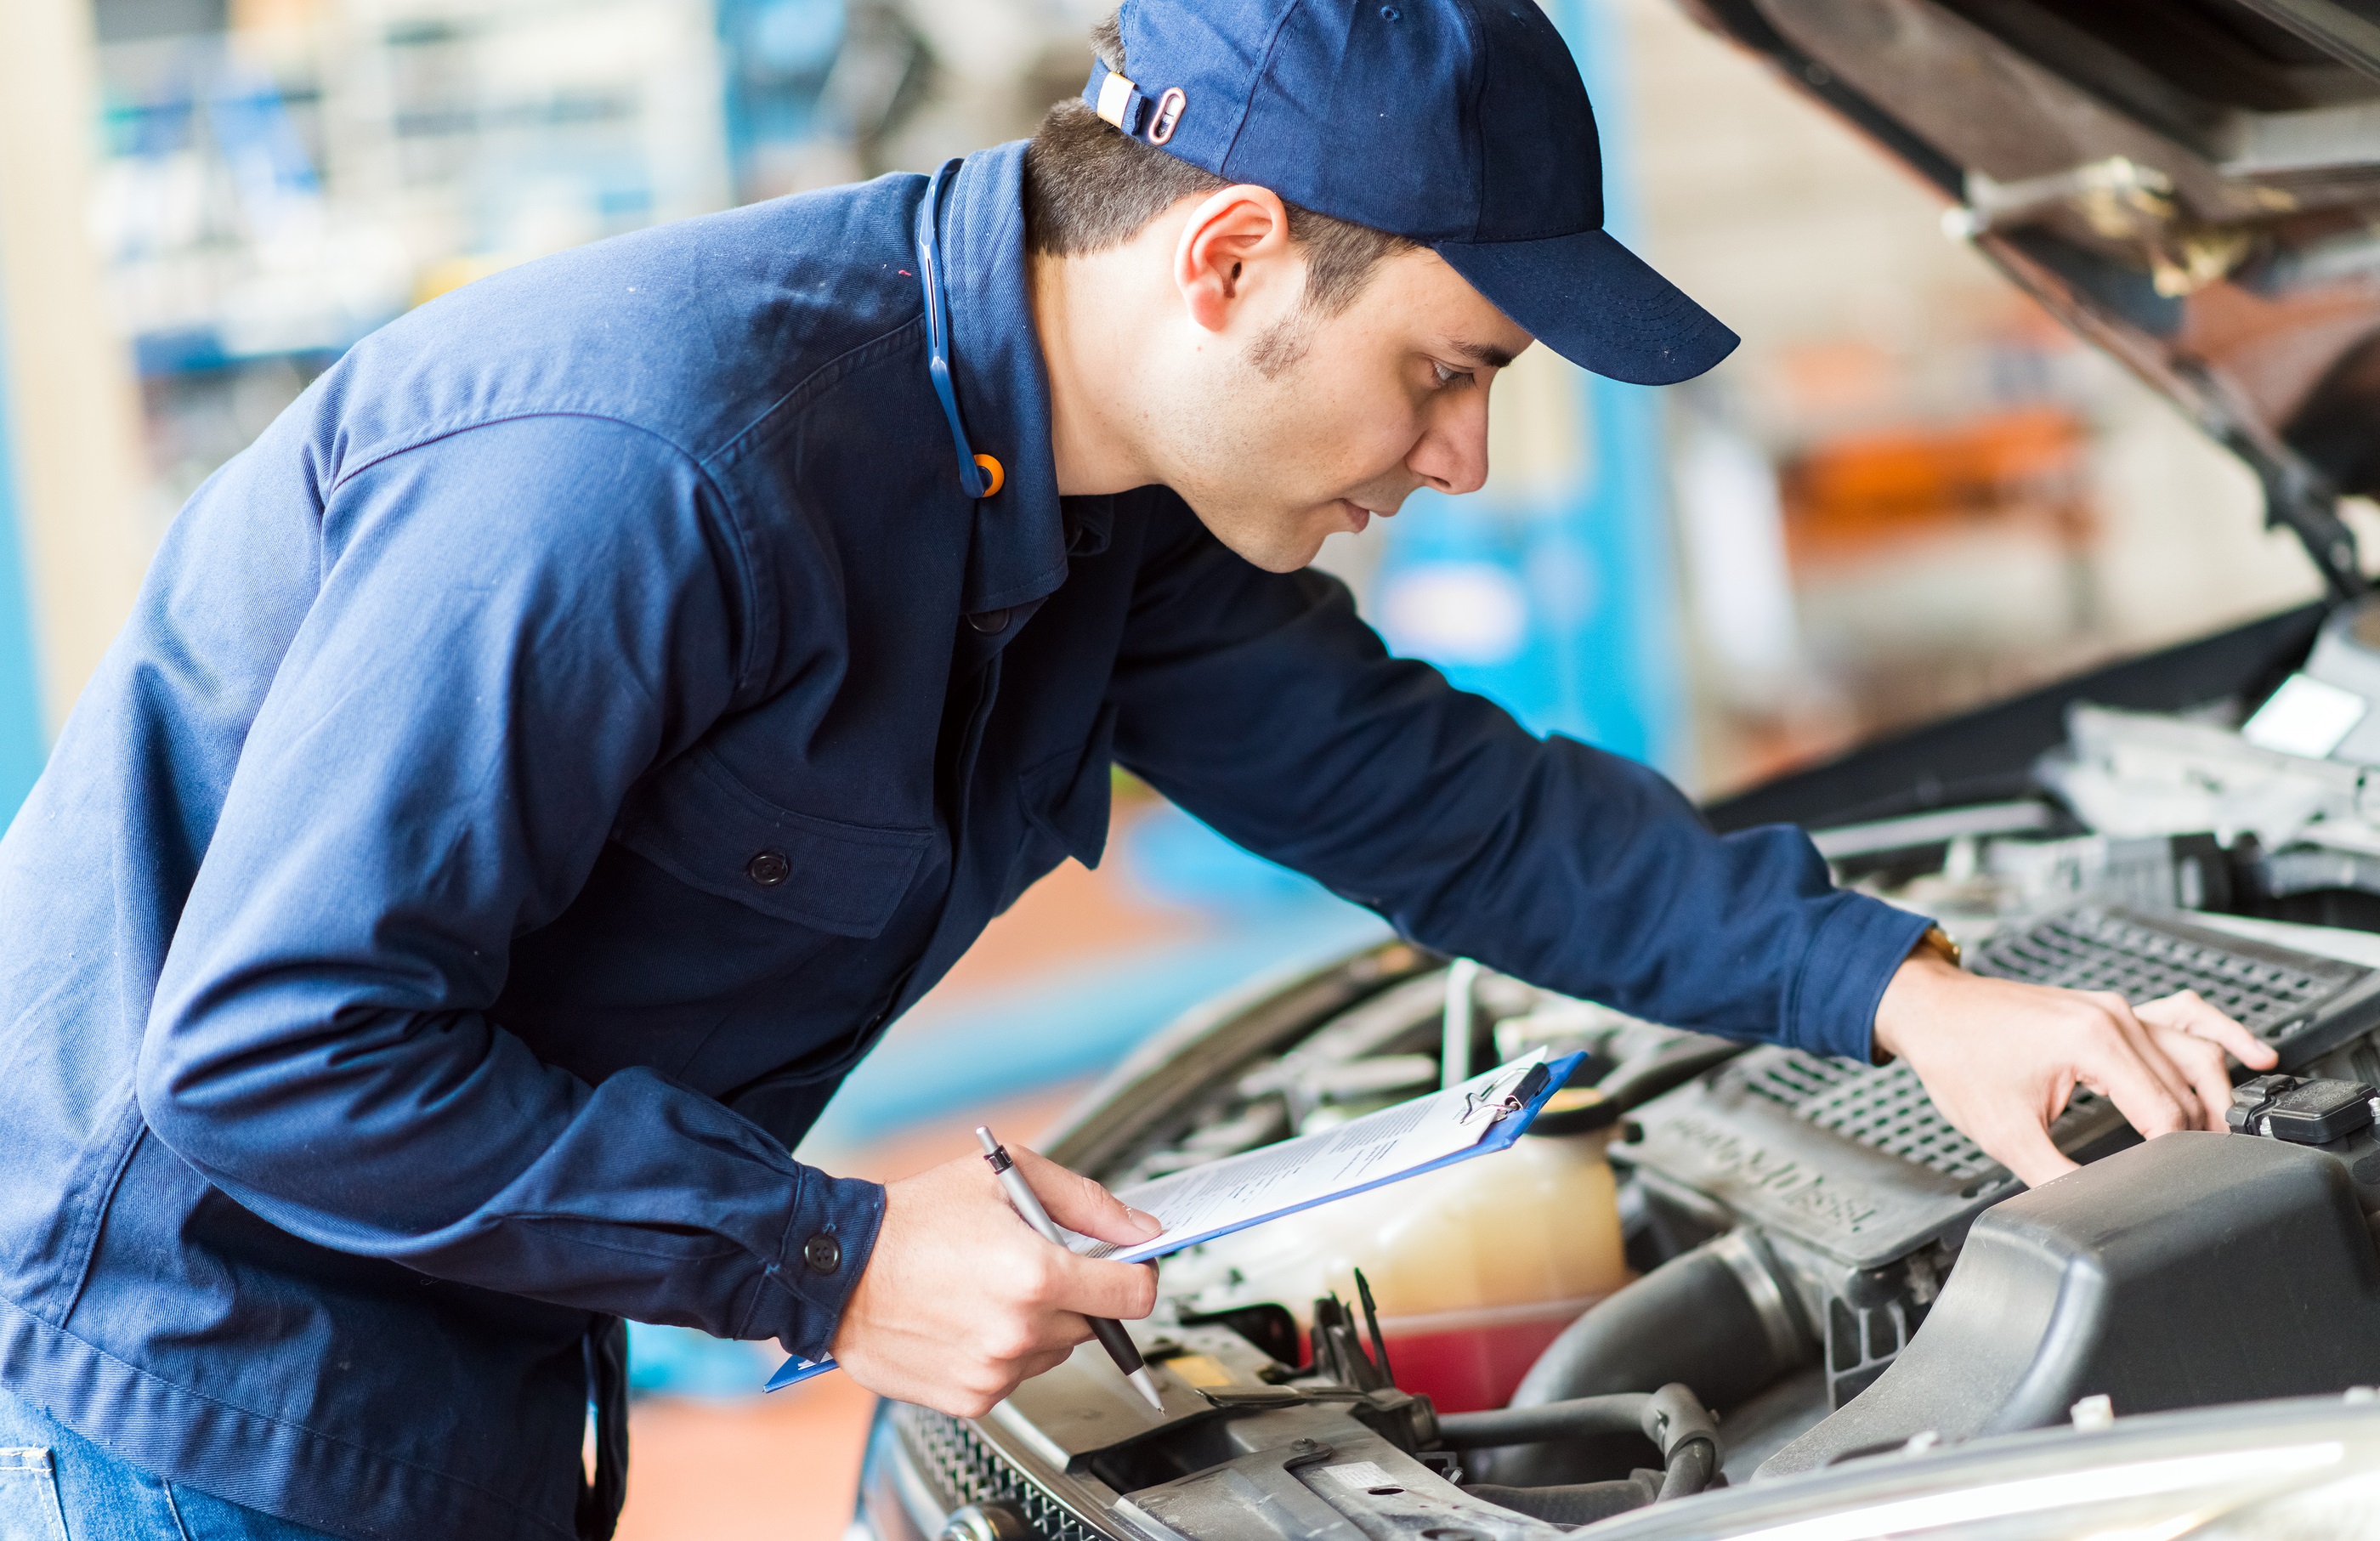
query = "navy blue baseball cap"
{"x": 1460, "y": 125}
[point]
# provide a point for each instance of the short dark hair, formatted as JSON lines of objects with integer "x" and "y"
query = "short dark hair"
{"x": 1089, "y": 187}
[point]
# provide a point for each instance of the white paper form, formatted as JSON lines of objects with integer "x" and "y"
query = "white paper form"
{"x": 1229, "y": 1195}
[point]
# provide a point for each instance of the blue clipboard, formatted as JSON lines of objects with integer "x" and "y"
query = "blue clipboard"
{"x": 1535, "y": 1091}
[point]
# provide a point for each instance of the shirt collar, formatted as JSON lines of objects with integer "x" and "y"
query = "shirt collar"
{"x": 1019, "y": 548}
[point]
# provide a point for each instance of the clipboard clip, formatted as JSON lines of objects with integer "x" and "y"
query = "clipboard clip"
{"x": 1498, "y": 1108}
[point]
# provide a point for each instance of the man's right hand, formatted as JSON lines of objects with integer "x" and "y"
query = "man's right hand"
{"x": 962, "y": 1301}
{"x": 2001, "y": 1058}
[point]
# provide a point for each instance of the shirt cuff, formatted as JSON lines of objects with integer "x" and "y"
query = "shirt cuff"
{"x": 825, "y": 1249}
{"x": 1858, "y": 948}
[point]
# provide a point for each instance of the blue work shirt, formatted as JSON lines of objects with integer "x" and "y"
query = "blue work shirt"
{"x": 540, "y": 768}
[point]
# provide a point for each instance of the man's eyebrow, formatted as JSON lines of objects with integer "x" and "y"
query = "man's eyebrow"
{"x": 1482, "y": 355}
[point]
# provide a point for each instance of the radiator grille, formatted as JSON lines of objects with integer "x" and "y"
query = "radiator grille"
{"x": 963, "y": 1470}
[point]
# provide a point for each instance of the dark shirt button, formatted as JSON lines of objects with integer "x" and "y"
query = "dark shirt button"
{"x": 769, "y": 868}
{"x": 989, "y": 620}
{"x": 823, "y": 1253}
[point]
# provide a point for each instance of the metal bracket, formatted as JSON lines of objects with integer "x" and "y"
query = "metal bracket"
{"x": 2296, "y": 495}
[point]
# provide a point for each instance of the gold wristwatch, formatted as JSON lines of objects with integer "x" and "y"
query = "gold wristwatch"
{"x": 1937, "y": 942}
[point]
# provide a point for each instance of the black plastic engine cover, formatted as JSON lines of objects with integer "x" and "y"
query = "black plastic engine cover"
{"x": 2195, "y": 1269}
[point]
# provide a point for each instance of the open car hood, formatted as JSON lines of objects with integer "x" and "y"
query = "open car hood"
{"x": 2194, "y": 185}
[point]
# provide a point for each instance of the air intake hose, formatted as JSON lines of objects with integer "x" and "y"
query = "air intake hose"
{"x": 1578, "y": 1503}
{"x": 1673, "y": 1418}
{"x": 1714, "y": 1319}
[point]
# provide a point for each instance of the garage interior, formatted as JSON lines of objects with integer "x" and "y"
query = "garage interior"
{"x": 1981, "y": 558}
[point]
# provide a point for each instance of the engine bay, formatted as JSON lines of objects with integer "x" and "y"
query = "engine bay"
{"x": 1709, "y": 1264}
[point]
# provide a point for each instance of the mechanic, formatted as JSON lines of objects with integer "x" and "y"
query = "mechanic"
{"x": 540, "y": 768}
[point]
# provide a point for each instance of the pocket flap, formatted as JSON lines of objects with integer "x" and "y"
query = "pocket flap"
{"x": 1069, "y": 794}
{"x": 703, "y": 826}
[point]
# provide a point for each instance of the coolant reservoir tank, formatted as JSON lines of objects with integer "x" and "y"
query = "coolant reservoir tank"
{"x": 1475, "y": 1269}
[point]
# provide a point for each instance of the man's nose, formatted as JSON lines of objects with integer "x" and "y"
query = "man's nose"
{"x": 1452, "y": 453}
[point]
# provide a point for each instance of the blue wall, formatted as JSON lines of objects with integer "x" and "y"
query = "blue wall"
{"x": 22, "y": 746}
{"x": 1590, "y": 647}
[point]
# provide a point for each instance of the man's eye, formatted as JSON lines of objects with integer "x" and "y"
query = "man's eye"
{"x": 1448, "y": 378}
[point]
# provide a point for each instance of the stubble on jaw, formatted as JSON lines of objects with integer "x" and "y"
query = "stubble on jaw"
{"x": 1213, "y": 439}
{"x": 1278, "y": 347}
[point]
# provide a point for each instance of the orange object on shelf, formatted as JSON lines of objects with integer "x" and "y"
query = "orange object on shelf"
{"x": 1853, "y": 495}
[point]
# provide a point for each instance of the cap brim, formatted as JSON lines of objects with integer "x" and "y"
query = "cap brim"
{"x": 1596, "y": 303}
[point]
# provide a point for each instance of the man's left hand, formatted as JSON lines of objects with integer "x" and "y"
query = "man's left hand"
{"x": 2000, "y": 1059}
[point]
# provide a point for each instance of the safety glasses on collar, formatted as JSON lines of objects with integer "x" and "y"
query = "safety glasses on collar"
{"x": 980, "y": 475}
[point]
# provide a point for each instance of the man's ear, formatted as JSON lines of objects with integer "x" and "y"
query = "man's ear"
{"x": 1236, "y": 244}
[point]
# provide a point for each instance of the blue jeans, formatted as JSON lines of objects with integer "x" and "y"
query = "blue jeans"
{"x": 58, "y": 1486}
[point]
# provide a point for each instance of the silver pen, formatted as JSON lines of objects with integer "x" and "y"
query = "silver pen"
{"x": 1111, "y": 1333}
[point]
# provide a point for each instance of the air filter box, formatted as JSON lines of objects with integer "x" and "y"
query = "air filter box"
{"x": 2193, "y": 1269}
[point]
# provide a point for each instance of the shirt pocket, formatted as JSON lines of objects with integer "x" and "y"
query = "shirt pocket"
{"x": 29, "y": 1497}
{"x": 701, "y": 825}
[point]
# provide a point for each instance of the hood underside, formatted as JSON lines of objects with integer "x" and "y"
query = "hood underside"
{"x": 2194, "y": 185}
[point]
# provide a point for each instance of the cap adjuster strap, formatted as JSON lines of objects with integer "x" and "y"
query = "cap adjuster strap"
{"x": 1115, "y": 98}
